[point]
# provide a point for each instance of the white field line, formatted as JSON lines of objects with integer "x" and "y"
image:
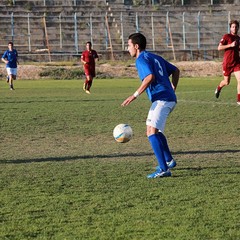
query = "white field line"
{"x": 207, "y": 102}
{"x": 182, "y": 92}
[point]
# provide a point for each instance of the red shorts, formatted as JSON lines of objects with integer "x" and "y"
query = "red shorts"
{"x": 89, "y": 71}
{"x": 227, "y": 70}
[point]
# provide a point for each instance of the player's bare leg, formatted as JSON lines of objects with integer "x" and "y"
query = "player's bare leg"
{"x": 85, "y": 84}
{"x": 223, "y": 83}
{"x": 11, "y": 77}
{"x": 237, "y": 75}
{"x": 89, "y": 84}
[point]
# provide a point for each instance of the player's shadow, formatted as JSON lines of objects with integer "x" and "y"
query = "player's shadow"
{"x": 115, "y": 155}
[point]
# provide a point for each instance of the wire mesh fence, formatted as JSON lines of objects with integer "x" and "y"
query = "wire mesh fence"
{"x": 193, "y": 34}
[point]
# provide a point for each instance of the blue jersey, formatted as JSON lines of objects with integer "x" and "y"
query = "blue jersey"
{"x": 11, "y": 56}
{"x": 161, "y": 88}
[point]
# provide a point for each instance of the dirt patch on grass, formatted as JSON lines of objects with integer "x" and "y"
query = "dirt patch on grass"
{"x": 200, "y": 69}
{"x": 188, "y": 69}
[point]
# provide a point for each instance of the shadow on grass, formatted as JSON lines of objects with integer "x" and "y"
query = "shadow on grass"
{"x": 62, "y": 101}
{"x": 115, "y": 155}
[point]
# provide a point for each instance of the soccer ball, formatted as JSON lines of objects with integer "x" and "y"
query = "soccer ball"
{"x": 122, "y": 133}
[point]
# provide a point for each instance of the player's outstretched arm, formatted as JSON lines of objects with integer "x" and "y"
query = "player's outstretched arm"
{"x": 175, "y": 78}
{"x": 128, "y": 101}
{"x": 145, "y": 83}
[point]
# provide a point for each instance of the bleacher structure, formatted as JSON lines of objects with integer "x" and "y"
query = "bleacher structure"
{"x": 57, "y": 29}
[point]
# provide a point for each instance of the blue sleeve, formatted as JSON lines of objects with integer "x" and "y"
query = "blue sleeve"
{"x": 170, "y": 68}
{"x": 144, "y": 68}
{"x": 4, "y": 55}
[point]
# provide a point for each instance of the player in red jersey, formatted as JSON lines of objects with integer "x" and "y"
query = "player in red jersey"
{"x": 88, "y": 59}
{"x": 230, "y": 43}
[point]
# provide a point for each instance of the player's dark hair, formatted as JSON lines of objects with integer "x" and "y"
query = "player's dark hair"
{"x": 234, "y": 22}
{"x": 138, "y": 38}
{"x": 90, "y": 44}
{"x": 10, "y": 43}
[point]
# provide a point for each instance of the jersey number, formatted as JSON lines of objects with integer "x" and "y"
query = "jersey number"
{"x": 160, "y": 71}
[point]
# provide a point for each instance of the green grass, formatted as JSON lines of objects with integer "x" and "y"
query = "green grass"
{"x": 62, "y": 175}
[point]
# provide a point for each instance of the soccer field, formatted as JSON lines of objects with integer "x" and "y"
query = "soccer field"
{"x": 63, "y": 176}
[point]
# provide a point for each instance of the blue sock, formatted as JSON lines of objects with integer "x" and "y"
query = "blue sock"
{"x": 166, "y": 151}
{"x": 157, "y": 147}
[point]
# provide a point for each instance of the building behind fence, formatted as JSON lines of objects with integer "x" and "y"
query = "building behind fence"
{"x": 49, "y": 30}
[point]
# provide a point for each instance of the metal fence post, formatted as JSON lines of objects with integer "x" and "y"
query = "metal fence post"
{"x": 12, "y": 26}
{"x": 229, "y": 19}
{"x": 29, "y": 34}
{"x": 60, "y": 31}
{"x": 153, "y": 38}
{"x": 199, "y": 30}
{"x": 137, "y": 27}
{"x": 91, "y": 29}
{"x": 122, "y": 35}
{"x": 184, "y": 31}
{"x": 167, "y": 33}
{"x": 106, "y": 34}
{"x": 75, "y": 32}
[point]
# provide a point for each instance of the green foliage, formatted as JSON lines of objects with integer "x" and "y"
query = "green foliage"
{"x": 62, "y": 73}
{"x": 29, "y": 6}
{"x": 137, "y": 2}
{"x": 62, "y": 175}
{"x": 10, "y": 2}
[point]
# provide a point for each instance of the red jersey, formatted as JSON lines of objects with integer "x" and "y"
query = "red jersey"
{"x": 231, "y": 55}
{"x": 89, "y": 58}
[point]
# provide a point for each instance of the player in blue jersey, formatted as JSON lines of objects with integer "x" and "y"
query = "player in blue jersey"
{"x": 10, "y": 57}
{"x": 154, "y": 72}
